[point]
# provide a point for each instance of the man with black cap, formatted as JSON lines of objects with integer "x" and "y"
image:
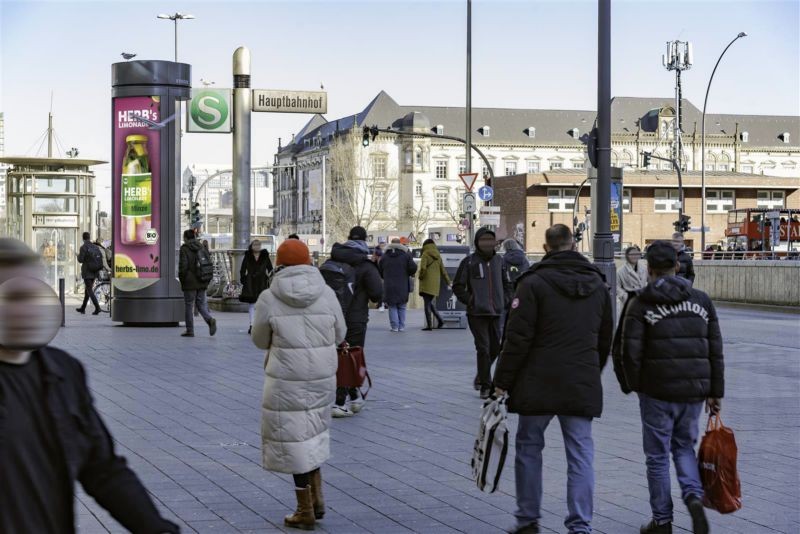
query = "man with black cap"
{"x": 52, "y": 435}
{"x": 669, "y": 351}
{"x": 483, "y": 284}
{"x": 367, "y": 286}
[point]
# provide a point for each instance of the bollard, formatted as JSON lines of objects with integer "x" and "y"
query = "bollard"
{"x": 63, "y": 303}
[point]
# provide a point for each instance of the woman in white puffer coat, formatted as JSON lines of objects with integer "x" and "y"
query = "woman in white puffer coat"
{"x": 299, "y": 321}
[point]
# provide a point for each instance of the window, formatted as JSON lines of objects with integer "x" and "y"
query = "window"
{"x": 575, "y": 133}
{"x": 560, "y": 199}
{"x": 418, "y": 188}
{"x": 626, "y": 200}
{"x": 666, "y": 200}
{"x": 485, "y": 130}
{"x": 485, "y": 172}
{"x": 747, "y": 169}
{"x": 784, "y": 137}
{"x": 511, "y": 168}
{"x": 745, "y": 137}
{"x": 462, "y": 166}
{"x": 442, "y": 201}
{"x": 533, "y": 166}
{"x": 770, "y": 199}
{"x": 719, "y": 200}
{"x": 380, "y": 200}
{"x": 531, "y": 132}
{"x": 418, "y": 157}
{"x": 666, "y": 165}
{"x": 627, "y": 159}
{"x": 789, "y": 165}
{"x": 439, "y": 129}
{"x": 409, "y": 158}
{"x": 55, "y": 205}
{"x": 379, "y": 166}
{"x": 556, "y": 165}
{"x": 441, "y": 169}
{"x": 578, "y": 164}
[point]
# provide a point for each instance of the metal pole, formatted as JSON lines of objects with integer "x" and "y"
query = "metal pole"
{"x": 703, "y": 148}
{"x": 241, "y": 152}
{"x": 176, "y": 38}
{"x": 603, "y": 242}
{"x": 255, "y": 206}
{"x": 324, "y": 211}
{"x": 62, "y": 298}
{"x": 468, "y": 110}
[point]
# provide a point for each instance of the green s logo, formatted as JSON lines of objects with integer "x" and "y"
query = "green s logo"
{"x": 209, "y": 109}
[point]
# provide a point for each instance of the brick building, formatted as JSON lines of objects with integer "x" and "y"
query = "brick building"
{"x": 530, "y": 203}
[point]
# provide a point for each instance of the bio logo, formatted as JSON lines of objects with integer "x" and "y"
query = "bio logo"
{"x": 209, "y": 109}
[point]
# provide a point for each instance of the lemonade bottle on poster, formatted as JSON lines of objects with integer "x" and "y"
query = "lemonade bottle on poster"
{"x": 137, "y": 192}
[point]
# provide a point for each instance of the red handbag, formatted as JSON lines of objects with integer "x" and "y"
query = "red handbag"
{"x": 352, "y": 369}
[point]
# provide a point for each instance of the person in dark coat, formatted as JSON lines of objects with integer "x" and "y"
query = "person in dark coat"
{"x": 558, "y": 338}
{"x": 194, "y": 289}
{"x": 368, "y": 286}
{"x": 514, "y": 258}
{"x": 397, "y": 267}
{"x": 684, "y": 258}
{"x": 254, "y": 275}
{"x": 484, "y": 286}
{"x": 52, "y": 435}
{"x": 669, "y": 351}
{"x": 88, "y": 274}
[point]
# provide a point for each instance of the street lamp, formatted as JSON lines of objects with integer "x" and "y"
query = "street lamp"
{"x": 703, "y": 149}
{"x": 175, "y": 18}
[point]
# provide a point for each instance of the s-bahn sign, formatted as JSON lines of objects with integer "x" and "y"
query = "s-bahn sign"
{"x": 209, "y": 111}
{"x": 278, "y": 101}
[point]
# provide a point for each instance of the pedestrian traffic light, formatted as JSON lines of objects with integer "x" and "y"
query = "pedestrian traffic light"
{"x": 646, "y": 159}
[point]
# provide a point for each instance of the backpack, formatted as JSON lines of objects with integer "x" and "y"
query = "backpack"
{"x": 93, "y": 259}
{"x": 204, "y": 267}
{"x": 340, "y": 277}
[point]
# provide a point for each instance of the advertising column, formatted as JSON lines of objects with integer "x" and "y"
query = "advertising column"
{"x": 146, "y": 98}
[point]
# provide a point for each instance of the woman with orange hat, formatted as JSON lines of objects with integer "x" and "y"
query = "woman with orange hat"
{"x": 299, "y": 321}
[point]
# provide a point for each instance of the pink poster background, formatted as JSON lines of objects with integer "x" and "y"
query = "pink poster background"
{"x": 145, "y": 258}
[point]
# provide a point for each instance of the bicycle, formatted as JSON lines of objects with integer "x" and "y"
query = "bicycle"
{"x": 102, "y": 291}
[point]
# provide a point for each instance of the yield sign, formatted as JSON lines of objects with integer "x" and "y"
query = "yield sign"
{"x": 469, "y": 179}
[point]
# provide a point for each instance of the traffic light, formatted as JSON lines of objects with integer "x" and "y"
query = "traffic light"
{"x": 683, "y": 224}
{"x": 365, "y": 137}
{"x": 195, "y": 216}
{"x": 646, "y": 159}
{"x": 488, "y": 181}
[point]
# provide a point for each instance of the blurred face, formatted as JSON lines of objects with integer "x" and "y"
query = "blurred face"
{"x": 634, "y": 256}
{"x": 486, "y": 243}
{"x": 677, "y": 242}
{"x": 30, "y": 314}
{"x": 256, "y": 247}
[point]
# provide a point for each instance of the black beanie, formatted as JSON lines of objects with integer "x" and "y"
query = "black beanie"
{"x": 357, "y": 233}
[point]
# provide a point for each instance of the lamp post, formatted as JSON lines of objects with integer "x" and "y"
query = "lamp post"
{"x": 175, "y": 17}
{"x": 703, "y": 149}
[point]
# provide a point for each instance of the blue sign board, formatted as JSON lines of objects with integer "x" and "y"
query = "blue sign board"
{"x": 486, "y": 193}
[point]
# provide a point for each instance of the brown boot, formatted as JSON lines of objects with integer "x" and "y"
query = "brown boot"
{"x": 303, "y": 517}
{"x": 316, "y": 494}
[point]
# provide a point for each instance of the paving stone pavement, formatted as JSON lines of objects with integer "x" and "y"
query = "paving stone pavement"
{"x": 185, "y": 412}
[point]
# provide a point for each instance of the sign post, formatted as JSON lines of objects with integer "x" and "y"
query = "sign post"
{"x": 469, "y": 179}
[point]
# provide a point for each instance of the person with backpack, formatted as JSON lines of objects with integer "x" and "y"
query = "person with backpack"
{"x": 514, "y": 259}
{"x": 195, "y": 271}
{"x": 482, "y": 284}
{"x": 300, "y": 375}
{"x": 254, "y": 275}
{"x": 397, "y": 267}
{"x": 91, "y": 259}
{"x": 669, "y": 351}
{"x": 356, "y": 281}
{"x": 431, "y": 273}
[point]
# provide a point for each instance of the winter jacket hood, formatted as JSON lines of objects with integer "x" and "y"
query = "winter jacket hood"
{"x": 396, "y": 247}
{"x": 667, "y": 290}
{"x": 369, "y": 286}
{"x": 516, "y": 258}
{"x": 431, "y": 250}
{"x": 478, "y": 235}
{"x": 352, "y": 252}
{"x": 298, "y": 286}
{"x": 570, "y": 273}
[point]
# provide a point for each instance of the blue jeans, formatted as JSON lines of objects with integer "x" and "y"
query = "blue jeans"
{"x": 577, "y": 432}
{"x": 670, "y": 427}
{"x": 397, "y": 316}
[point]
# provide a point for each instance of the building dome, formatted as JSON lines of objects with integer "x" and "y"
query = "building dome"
{"x": 415, "y": 121}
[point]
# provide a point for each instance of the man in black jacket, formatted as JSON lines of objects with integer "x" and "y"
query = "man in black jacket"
{"x": 670, "y": 353}
{"x": 368, "y": 286}
{"x": 194, "y": 289}
{"x": 51, "y": 433}
{"x": 483, "y": 284}
{"x": 87, "y": 250}
{"x": 686, "y": 269}
{"x": 558, "y": 339}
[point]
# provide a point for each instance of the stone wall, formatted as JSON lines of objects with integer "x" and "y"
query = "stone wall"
{"x": 750, "y": 281}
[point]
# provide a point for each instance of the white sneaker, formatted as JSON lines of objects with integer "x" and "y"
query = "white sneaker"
{"x": 341, "y": 411}
{"x": 395, "y": 330}
{"x": 356, "y": 405}
{"x": 381, "y": 309}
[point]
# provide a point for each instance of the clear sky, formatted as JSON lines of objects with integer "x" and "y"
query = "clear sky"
{"x": 526, "y": 54}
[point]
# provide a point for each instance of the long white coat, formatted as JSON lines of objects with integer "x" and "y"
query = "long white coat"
{"x": 299, "y": 321}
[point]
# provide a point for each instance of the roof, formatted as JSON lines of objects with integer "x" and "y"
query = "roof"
{"x": 553, "y": 126}
{"x": 28, "y": 160}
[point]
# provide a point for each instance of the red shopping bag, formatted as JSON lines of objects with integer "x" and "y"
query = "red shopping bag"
{"x": 717, "y": 462}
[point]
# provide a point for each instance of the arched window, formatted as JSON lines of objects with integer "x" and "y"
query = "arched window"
{"x": 418, "y": 158}
{"x": 724, "y": 163}
{"x": 627, "y": 159}
{"x": 711, "y": 161}
{"x": 614, "y": 159}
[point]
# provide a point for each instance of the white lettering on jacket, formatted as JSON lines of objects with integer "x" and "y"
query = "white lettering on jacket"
{"x": 662, "y": 311}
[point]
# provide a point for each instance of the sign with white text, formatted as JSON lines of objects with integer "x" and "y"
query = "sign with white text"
{"x": 278, "y": 101}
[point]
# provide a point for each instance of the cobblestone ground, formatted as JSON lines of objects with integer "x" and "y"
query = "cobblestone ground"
{"x": 186, "y": 414}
